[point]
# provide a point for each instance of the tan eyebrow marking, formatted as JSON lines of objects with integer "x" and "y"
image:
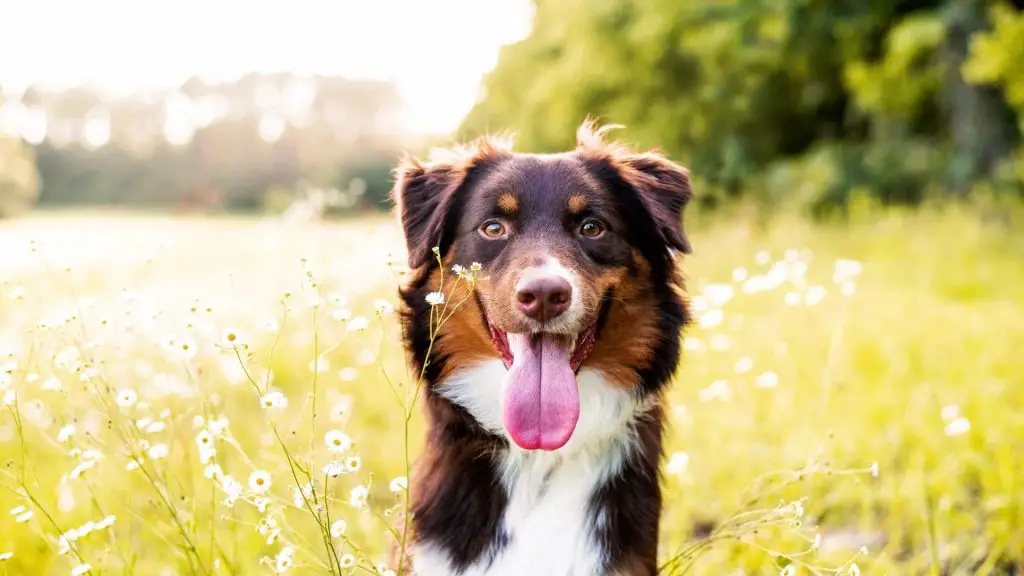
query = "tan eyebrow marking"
{"x": 577, "y": 203}
{"x": 508, "y": 203}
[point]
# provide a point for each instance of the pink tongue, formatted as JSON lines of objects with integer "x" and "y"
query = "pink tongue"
{"x": 542, "y": 401}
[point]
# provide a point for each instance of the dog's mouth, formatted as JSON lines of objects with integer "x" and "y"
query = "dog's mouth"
{"x": 541, "y": 402}
{"x": 578, "y": 345}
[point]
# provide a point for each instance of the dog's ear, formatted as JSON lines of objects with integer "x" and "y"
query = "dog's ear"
{"x": 664, "y": 188}
{"x": 660, "y": 187}
{"x": 423, "y": 197}
{"x": 426, "y": 194}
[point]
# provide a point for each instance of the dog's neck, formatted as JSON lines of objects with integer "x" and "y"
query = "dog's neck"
{"x": 482, "y": 506}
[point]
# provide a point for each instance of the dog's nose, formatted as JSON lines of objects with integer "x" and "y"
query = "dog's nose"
{"x": 544, "y": 298}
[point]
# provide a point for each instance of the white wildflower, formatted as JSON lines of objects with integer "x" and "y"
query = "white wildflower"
{"x": 767, "y": 380}
{"x": 383, "y": 306}
{"x": 259, "y": 481}
{"x": 711, "y": 318}
{"x": 338, "y": 528}
{"x": 677, "y": 463}
{"x": 81, "y": 569}
{"x": 348, "y": 374}
{"x": 347, "y": 560}
{"x": 337, "y": 441}
{"x": 357, "y": 496}
{"x": 219, "y": 426}
{"x": 718, "y": 294}
{"x": 844, "y": 270}
{"x": 107, "y": 522}
{"x": 213, "y": 472}
{"x": 352, "y": 463}
{"x": 24, "y": 516}
{"x": 274, "y": 399}
{"x": 358, "y": 324}
{"x": 231, "y": 338}
{"x": 158, "y": 451}
{"x": 814, "y": 295}
{"x": 283, "y": 561}
{"x": 334, "y": 469}
{"x": 65, "y": 433}
{"x": 958, "y": 426}
{"x": 435, "y": 298}
{"x": 399, "y": 484}
{"x": 6, "y": 556}
{"x": 233, "y": 488}
{"x": 717, "y": 390}
{"x": 127, "y": 398}
{"x": 739, "y": 274}
{"x": 743, "y": 365}
{"x": 81, "y": 468}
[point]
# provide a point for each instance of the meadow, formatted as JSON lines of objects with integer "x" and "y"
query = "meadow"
{"x": 229, "y": 396}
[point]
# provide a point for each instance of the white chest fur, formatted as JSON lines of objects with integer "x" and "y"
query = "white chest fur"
{"x": 551, "y": 529}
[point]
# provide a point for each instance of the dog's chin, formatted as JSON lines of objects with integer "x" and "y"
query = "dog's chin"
{"x": 578, "y": 343}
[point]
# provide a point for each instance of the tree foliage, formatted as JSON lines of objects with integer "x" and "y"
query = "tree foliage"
{"x": 797, "y": 100}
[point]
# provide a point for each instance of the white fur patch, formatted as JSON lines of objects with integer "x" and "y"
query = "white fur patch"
{"x": 547, "y": 521}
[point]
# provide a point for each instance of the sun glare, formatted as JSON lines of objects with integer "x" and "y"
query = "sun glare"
{"x": 121, "y": 47}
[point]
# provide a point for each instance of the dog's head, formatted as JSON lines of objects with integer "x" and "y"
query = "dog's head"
{"x": 578, "y": 269}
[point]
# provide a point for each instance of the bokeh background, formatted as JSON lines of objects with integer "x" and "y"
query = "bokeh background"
{"x": 194, "y": 218}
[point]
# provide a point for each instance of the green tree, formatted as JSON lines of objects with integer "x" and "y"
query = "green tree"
{"x": 754, "y": 96}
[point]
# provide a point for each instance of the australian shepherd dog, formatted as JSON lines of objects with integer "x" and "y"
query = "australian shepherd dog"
{"x": 543, "y": 391}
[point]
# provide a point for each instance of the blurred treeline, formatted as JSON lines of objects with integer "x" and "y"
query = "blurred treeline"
{"x": 806, "y": 103}
{"x": 809, "y": 103}
{"x": 264, "y": 142}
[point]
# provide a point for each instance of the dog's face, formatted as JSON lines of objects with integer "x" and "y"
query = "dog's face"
{"x": 577, "y": 266}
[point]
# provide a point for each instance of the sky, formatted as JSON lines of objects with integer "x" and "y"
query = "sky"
{"x": 437, "y": 51}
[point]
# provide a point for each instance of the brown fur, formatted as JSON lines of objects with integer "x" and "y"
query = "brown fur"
{"x": 508, "y": 203}
{"x": 577, "y": 203}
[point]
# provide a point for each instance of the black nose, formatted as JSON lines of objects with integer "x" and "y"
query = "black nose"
{"x": 544, "y": 298}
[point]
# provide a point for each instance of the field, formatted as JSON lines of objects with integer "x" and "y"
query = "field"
{"x": 850, "y": 401}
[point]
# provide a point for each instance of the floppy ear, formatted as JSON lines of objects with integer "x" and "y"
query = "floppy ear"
{"x": 664, "y": 188}
{"x": 426, "y": 195}
{"x": 661, "y": 187}
{"x": 423, "y": 197}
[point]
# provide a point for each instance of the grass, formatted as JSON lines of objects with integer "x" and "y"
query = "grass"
{"x": 877, "y": 430}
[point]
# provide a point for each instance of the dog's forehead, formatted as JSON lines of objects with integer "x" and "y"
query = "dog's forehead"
{"x": 535, "y": 180}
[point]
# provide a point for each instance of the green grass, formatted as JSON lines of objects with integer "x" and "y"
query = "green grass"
{"x": 933, "y": 332}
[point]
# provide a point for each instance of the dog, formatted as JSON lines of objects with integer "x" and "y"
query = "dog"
{"x": 543, "y": 389}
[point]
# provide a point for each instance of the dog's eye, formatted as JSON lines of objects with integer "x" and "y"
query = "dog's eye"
{"x": 493, "y": 229}
{"x": 591, "y": 229}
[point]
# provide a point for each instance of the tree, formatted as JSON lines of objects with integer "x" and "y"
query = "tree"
{"x": 871, "y": 93}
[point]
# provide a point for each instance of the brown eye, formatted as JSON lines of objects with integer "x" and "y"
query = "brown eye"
{"x": 591, "y": 229}
{"x": 493, "y": 229}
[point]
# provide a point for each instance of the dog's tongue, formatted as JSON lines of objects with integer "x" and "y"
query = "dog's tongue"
{"x": 542, "y": 401}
